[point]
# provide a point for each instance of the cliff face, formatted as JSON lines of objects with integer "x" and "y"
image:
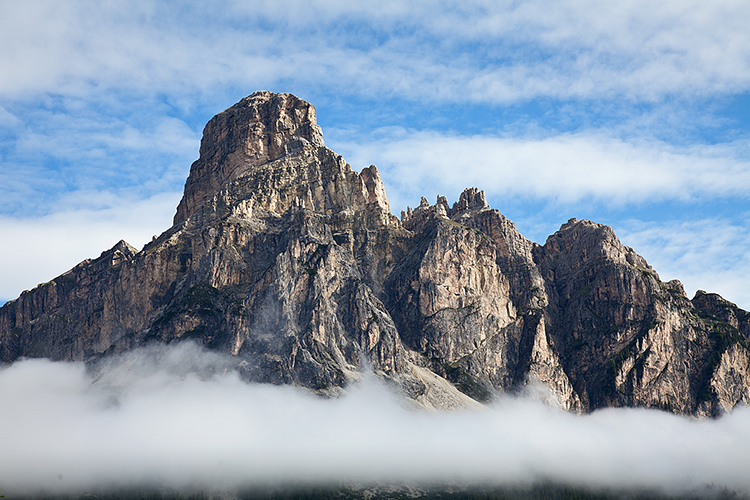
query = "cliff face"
{"x": 257, "y": 130}
{"x": 284, "y": 257}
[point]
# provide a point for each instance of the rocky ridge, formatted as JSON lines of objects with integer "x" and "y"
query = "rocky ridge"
{"x": 284, "y": 257}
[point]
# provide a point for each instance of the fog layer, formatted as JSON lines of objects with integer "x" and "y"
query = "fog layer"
{"x": 180, "y": 417}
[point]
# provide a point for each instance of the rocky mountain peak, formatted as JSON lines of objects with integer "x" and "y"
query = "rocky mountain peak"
{"x": 583, "y": 240}
{"x": 285, "y": 258}
{"x": 259, "y": 129}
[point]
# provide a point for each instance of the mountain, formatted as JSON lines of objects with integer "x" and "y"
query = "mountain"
{"x": 291, "y": 262}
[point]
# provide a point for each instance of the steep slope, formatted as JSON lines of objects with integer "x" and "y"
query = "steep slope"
{"x": 468, "y": 297}
{"x": 625, "y": 337}
{"x": 285, "y": 258}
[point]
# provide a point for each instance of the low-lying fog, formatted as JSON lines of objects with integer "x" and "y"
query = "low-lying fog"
{"x": 179, "y": 418}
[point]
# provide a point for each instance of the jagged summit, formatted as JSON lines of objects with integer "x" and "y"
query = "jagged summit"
{"x": 266, "y": 153}
{"x": 261, "y": 128}
{"x": 471, "y": 199}
{"x": 286, "y": 259}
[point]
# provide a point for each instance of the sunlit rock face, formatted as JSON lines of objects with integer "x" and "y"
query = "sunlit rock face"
{"x": 257, "y": 130}
{"x": 289, "y": 261}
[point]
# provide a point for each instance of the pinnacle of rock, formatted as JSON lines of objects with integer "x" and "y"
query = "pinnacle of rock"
{"x": 471, "y": 198}
{"x": 261, "y": 128}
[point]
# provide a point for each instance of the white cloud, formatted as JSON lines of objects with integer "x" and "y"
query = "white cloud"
{"x": 36, "y": 249}
{"x": 176, "y": 418}
{"x": 492, "y": 52}
{"x": 567, "y": 168}
{"x": 82, "y": 131}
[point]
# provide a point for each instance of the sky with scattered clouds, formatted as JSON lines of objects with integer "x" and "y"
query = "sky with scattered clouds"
{"x": 635, "y": 114}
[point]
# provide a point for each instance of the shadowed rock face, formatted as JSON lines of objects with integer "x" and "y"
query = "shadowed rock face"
{"x": 286, "y": 259}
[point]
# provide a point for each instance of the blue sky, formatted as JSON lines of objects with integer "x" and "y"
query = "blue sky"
{"x": 635, "y": 114}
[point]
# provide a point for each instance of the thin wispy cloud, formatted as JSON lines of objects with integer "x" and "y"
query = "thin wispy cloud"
{"x": 55, "y": 155}
{"x": 486, "y": 52}
{"x": 705, "y": 254}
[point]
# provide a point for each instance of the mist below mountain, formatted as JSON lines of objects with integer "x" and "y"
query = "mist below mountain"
{"x": 179, "y": 418}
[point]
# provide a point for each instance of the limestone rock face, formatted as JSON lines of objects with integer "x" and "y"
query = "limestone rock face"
{"x": 625, "y": 338}
{"x": 291, "y": 262}
{"x": 729, "y": 381}
{"x": 260, "y": 128}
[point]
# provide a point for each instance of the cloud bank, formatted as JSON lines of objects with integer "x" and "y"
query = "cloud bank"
{"x": 180, "y": 418}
